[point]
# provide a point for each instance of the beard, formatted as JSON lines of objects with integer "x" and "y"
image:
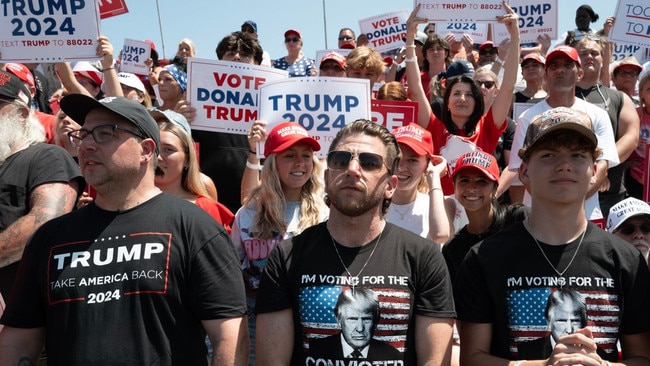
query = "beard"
{"x": 352, "y": 207}
{"x": 12, "y": 128}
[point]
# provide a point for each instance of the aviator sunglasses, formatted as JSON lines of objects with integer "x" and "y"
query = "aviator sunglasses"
{"x": 340, "y": 160}
{"x": 487, "y": 83}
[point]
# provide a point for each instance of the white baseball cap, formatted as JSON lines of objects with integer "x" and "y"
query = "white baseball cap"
{"x": 131, "y": 80}
{"x": 624, "y": 210}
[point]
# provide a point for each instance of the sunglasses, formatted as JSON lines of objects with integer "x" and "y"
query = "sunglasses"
{"x": 340, "y": 160}
{"x": 492, "y": 51}
{"x": 628, "y": 74}
{"x": 345, "y": 38}
{"x": 628, "y": 229}
{"x": 248, "y": 30}
{"x": 487, "y": 83}
{"x": 291, "y": 39}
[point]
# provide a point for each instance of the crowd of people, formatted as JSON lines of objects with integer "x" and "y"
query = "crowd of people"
{"x": 480, "y": 233}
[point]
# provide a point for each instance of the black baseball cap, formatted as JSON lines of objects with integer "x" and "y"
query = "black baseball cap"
{"x": 77, "y": 106}
{"x": 12, "y": 88}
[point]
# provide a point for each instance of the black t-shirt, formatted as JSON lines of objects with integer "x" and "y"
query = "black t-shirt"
{"x": 305, "y": 273}
{"x": 223, "y": 158}
{"x": 128, "y": 287}
{"x": 23, "y": 171}
{"x": 506, "y": 281}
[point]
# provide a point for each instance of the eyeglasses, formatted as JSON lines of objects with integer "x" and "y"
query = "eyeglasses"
{"x": 100, "y": 134}
{"x": 628, "y": 229}
{"x": 345, "y": 38}
{"x": 487, "y": 83}
{"x": 248, "y": 30}
{"x": 340, "y": 160}
{"x": 331, "y": 67}
{"x": 431, "y": 31}
{"x": 291, "y": 39}
{"x": 492, "y": 51}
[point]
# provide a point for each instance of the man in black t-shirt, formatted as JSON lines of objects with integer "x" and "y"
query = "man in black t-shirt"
{"x": 137, "y": 276}
{"x": 503, "y": 284}
{"x": 38, "y": 182}
{"x": 310, "y": 281}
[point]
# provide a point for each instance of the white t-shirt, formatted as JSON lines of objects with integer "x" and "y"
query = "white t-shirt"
{"x": 602, "y": 128}
{"x": 413, "y": 216}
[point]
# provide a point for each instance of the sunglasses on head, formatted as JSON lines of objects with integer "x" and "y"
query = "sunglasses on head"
{"x": 487, "y": 83}
{"x": 345, "y": 38}
{"x": 291, "y": 39}
{"x": 628, "y": 229}
{"x": 340, "y": 160}
{"x": 492, "y": 51}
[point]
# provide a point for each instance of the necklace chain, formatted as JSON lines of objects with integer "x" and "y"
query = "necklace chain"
{"x": 402, "y": 214}
{"x": 364, "y": 265}
{"x": 561, "y": 274}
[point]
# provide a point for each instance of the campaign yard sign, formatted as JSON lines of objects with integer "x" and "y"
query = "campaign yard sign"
{"x": 385, "y": 32}
{"x": 48, "y": 31}
{"x": 226, "y": 94}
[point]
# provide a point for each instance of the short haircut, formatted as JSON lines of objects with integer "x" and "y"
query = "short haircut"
{"x": 354, "y": 35}
{"x": 242, "y": 43}
{"x": 366, "y": 127}
{"x": 365, "y": 58}
{"x": 362, "y": 298}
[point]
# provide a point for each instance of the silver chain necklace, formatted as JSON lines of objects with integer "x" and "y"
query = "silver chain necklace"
{"x": 352, "y": 281}
{"x": 561, "y": 274}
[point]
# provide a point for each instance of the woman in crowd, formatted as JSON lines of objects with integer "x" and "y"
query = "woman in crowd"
{"x": 417, "y": 202}
{"x": 637, "y": 170}
{"x": 133, "y": 88}
{"x": 172, "y": 83}
{"x": 463, "y": 125}
{"x": 532, "y": 70}
{"x": 288, "y": 200}
{"x": 296, "y": 63}
{"x": 178, "y": 172}
{"x": 65, "y": 124}
{"x": 186, "y": 49}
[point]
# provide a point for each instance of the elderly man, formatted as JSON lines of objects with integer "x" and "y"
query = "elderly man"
{"x": 135, "y": 277}
{"x": 630, "y": 221}
{"x": 38, "y": 181}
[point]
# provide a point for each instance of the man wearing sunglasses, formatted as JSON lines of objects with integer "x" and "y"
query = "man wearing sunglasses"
{"x": 356, "y": 250}
{"x": 630, "y": 221}
{"x": 249, "y": 28}
{"x": 347, "y": 39}
{"x": 135, "y": 277}
{"x": 487, "y": 53}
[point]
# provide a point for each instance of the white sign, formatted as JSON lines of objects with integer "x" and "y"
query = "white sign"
{"x": 321, "y": 53}
{"x": 51, "y": 32}
{"x": 225, "y": 94}
{"x": 322, "y": 105}
{"x": 536, "y": 17}
{"x": 134, "y": 54}
{"x": 623, "y": 50}
{"x": 460, "y": 10}
{"x": 632, "y": 24}
{"x": 385, "y": 32}
{"x": 478, "y": 31}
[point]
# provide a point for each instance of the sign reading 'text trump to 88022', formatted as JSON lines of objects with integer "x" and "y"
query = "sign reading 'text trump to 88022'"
{"x": 48, "y": 31}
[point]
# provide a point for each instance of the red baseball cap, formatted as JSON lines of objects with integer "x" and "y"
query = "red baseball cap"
{"x": 286, "y": 134}
{"x": 22, "y": 72}
{"x": 484, "y": 162}
{"x": 486, "y": 44}
{"x": 563, "y": 50}
{"x": 287, "y": 33}
{"x": 415, "y": 137}
{"x": 334, "y": 56}
{"x": 535, "y": 57}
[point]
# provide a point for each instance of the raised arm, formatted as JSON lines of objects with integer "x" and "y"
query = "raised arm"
{"x": 251, "y": 177}
{"x": 112, "y": 87}
{"x": 413, "y": 70}
{"x": 502, "y": 102}
{"x": 439, "y": 226}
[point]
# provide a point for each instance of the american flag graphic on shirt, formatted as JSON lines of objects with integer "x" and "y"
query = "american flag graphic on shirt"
{"x": 528, "y": 322}
{"x": 316, "y": 304}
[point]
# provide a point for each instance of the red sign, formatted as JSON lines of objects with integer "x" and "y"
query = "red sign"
{"x": 111, "y": 8}
{"x": 393, "y": 113}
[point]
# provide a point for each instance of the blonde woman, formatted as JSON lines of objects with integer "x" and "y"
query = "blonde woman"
{"x": 288, "y": 200}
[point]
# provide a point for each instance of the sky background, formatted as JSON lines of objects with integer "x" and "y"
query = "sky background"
{"x": 207, "y": 22}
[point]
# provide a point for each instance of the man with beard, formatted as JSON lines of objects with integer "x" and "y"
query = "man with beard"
{"x": 356, "y": 250}
{"x": 630, "y": 221}
{"x": 38, "y": 181}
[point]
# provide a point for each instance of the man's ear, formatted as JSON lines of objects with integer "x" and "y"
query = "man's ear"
{"x": 148, "y": 150}
{"x": 391, "y": 186}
